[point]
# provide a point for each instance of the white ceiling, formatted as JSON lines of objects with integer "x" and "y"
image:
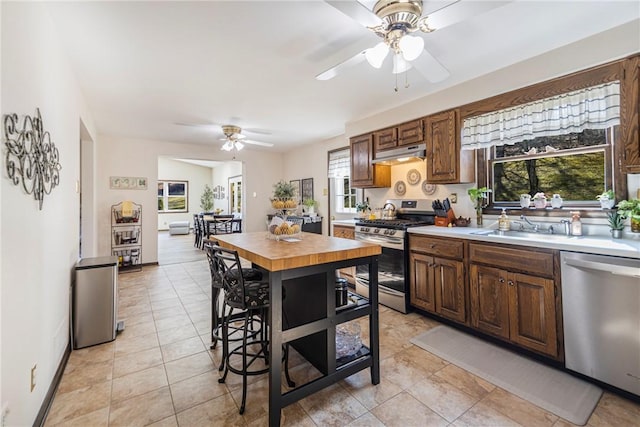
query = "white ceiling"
{"x": 144, "y": 66}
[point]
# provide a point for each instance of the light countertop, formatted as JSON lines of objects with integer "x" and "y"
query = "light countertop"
{"x": 628, "y": 246}
{"x": 345, "y": 222}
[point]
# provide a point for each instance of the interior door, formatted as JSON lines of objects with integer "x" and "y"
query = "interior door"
{"x": 235, "y": 194}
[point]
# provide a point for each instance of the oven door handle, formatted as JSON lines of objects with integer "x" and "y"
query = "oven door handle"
{"x": 390, "y": 242}
{"x": 381, "y": 288}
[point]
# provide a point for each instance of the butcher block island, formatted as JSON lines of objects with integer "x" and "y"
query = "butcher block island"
{"x": 305, "y": 314}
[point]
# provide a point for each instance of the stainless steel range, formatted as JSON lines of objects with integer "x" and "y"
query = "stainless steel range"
{"x": 391, "y": 234}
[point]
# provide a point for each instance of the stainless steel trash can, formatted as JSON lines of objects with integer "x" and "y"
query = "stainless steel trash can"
{"x": 95, "y": 301}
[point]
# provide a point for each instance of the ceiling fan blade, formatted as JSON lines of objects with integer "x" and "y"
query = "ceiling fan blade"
{"x": 263, "y": 144}
{"x": 356, "y": 11}
{"x": 334, "y": 71}
{"x": 430, "y": 68}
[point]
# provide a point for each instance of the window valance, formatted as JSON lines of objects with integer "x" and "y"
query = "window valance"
{"x": 596, "y": 107}
{"x": 339, "y": 163}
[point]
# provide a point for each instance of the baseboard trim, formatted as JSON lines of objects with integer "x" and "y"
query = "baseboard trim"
{"x": 48, "y": 399}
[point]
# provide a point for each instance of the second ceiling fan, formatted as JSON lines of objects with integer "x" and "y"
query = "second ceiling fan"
{"x": 395, "y": 21}
{"x": 233, "y": 138}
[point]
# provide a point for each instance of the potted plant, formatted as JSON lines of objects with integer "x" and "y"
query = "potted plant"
{"x": 607, "y": 199}
{"x": 362, "y": 208}
{"x": 310, "y": 205}
{"x": 631, "y": 209}
{"x": 479, "y": 198}
{"x": 616, "y": 224}
{"x": 283, "y": 193}
{"x": 206, "y": 200}
{"x": 540, "y": 200}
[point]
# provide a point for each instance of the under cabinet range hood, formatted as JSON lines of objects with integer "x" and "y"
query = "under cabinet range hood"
{"x": 409, "y": 153}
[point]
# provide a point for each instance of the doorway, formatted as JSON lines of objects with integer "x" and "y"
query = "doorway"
{"x": 235, "y": 195}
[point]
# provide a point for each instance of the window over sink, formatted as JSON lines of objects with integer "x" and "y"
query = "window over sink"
{"x": 557, "y": 145}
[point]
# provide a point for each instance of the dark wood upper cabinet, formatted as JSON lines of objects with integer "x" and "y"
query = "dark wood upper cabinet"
{"x": 403, "y": 134}
{"x": 630, "y": 114}
{"x": 364, "y": 174}
{"x": 446, "y": 164}
{"x": 411, "y": 132}
{"x": 385, "y": 139}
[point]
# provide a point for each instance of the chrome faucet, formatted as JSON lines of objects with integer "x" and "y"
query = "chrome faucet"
{"x": 535, "y": 227}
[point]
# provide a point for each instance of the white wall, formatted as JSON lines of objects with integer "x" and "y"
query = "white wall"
{"x": 197, "y": 176}
{"x": 138, "y": 157}
{"x": 39, "y": 247}
{"x": 221, "y": 176}
{"x": 311, "y": 161}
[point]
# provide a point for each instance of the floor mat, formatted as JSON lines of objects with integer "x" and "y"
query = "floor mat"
{"x": 558, "y": 392}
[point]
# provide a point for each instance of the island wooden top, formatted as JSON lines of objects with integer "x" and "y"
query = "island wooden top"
{"x": 312, "y": 249}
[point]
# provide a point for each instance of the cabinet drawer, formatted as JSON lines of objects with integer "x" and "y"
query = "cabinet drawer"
{"x": 344, "y": 232}
{"x": 436, "y": 246}
{"x": 533, "y": 261}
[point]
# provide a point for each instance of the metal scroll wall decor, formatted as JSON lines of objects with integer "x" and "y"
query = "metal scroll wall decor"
{"x": 32, "y": 159}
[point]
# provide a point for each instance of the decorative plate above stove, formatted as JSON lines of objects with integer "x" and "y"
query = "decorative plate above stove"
{"x": 400, "y": 188}
{"x": 413, "y": 177}
{"x": 428, "y": 189}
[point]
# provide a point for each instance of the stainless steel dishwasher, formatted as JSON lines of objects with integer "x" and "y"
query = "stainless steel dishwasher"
{"x": 601, "y": 309}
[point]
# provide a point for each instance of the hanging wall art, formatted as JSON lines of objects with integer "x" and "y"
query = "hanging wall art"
{"x": 32, "y": 160}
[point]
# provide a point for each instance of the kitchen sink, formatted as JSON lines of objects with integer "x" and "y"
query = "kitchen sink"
{"x": 521, "y": 234}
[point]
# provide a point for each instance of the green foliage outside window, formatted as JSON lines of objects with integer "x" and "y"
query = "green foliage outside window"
{"x": 572, "y": 165}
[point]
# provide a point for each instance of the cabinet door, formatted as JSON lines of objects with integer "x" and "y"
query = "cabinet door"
{"x": 385, "y": 139}
{"x": 630, "y": 114}
{"x": 344, "y": 232}
{"x": 421, "y": 292}
{"x": 411, "y": 132}
{"x": 442, "y": 147}
{"x": 449, "y": 289}
{"x": 489, "y": 300}
{"x": 363, "y": 173}
{"x": 532, "y": 312}
{"x": 361, "y": 156}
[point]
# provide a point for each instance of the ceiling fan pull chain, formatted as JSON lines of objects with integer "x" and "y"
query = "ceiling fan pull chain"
{"x": 406, "y": 80}
{"x": 395, "y": 88}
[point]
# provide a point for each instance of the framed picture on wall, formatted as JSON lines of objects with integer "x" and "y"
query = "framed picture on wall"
{"x": 296, "y": 190}
{"x": 307, "y": 188}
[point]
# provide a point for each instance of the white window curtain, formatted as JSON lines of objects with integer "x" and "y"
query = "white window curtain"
{"x": 339, "y": 164}
{"x": 596, "y": 107}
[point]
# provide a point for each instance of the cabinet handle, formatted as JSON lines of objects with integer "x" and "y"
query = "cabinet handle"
{"x": 501, "y": 280}
{"x": 510, "y": 282}
{"x": 433, "y": 245}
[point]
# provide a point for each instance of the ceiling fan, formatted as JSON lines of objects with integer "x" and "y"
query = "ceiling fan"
{"x": 233, "y": 136}
{"x": 395, "y": 21}
{"x": 235, "y": 139}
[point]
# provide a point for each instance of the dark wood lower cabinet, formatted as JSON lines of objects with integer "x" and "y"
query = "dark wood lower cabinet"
{"x": 489, "y": 300}
{"x": 437, "y": 285}
{"x": 532, "y": 313}
{"x": 514, "y": 306}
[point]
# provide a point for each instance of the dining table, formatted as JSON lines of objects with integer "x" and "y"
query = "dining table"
{"x": 305, "y": 265}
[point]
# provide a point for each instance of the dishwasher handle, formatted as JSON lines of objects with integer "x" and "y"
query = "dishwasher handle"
{"x": 618, "y": 270}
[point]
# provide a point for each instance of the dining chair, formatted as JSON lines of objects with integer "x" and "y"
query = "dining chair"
{"x": 251, "y": 297}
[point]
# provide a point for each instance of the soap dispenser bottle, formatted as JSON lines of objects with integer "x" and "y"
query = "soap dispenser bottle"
{"x": 576, "y": 224}
{"x": 503, "y": 221}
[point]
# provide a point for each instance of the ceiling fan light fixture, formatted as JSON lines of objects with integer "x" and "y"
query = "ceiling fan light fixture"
{"x": 376, "y": 55}
{"x": 411, "y": 47}
{"x": 399, "y": 64}
{"x": 227, "y": 146}
{"x": 239, "y": 145}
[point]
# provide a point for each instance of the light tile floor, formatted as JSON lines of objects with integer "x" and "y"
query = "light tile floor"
{"x": 160, "y": 372}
